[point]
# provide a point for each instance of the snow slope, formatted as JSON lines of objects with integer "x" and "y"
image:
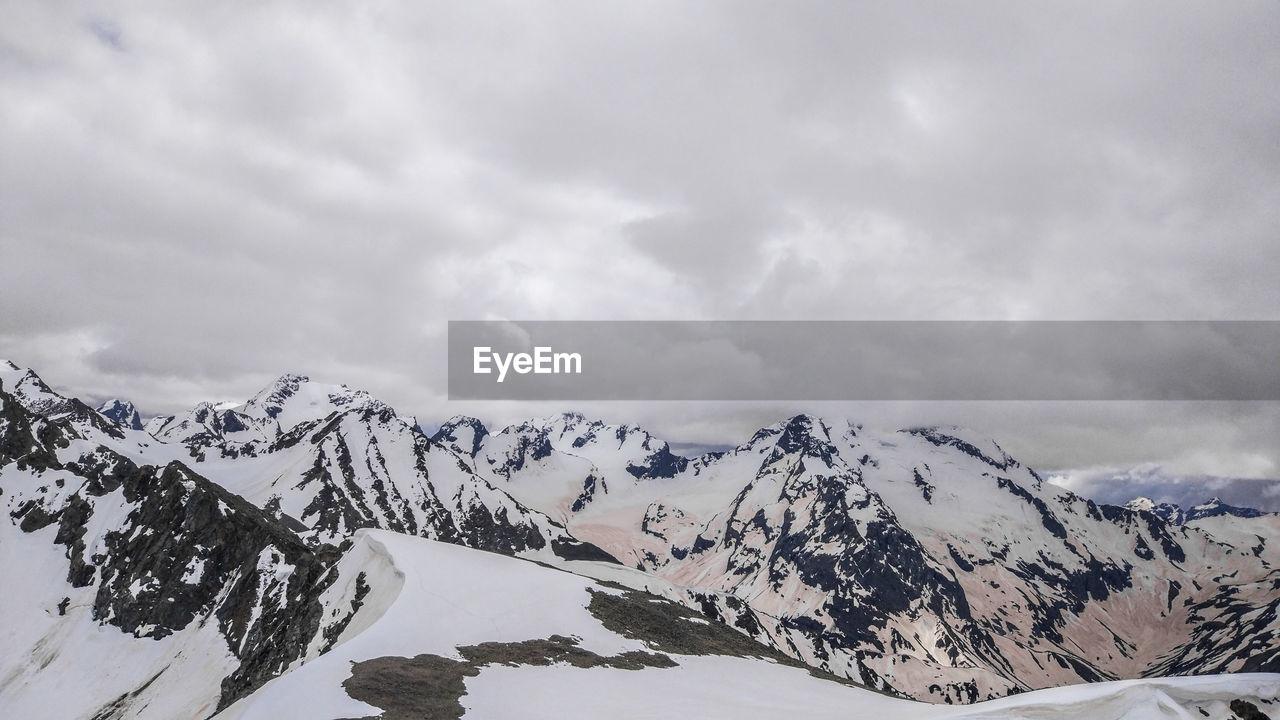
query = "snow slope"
{"x": 149, "y": 590}
{"x": 443, "y": 597}
{"x": 327, "y": 460}
{"x": 926, "y": 562}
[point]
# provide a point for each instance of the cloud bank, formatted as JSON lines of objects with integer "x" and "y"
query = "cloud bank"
{"x": 196, "y": 199}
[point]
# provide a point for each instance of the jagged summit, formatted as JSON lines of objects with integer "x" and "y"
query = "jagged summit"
{"x": 121, "y": 412}
{"x": 1176, "y": 515}
{"x": 29, "y": 390}
{"x": 1216, "y": 507}
{"x": 463, "y": 434}
{"x": 292, "y": 399}
{"x": 1166, "y": 511}
{"x": 927, "y": 562}
{"x": 807, "y": 434}
{"x": 273, "y": 397}
{"x": 286, "y": 403}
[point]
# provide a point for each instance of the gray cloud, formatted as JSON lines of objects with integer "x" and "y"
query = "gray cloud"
{"x": 1116, "y": 486}
{"x": 195, "y": 199}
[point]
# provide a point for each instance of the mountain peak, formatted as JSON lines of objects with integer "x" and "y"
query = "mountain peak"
{"x": 1172, "y": 513}
{"x": 1141, "y": 502}
{"x": 289, "y": 383}
{"x": 31, "y": 391}
{"x": 462, "y": 433}
{"x": 1216, "y": 507}
{"x": 121, "y": 412}
{"x": 289, "y": 401}
{"x": 304, "y": 399}
{"x": 462, "y": 420}
{"x": 801, "y": 433}
{"x": 273, "y": 396}
{"x": 1166, "y": 511}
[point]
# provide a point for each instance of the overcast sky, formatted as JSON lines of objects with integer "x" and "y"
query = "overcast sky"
{"x": 197, "y": 198}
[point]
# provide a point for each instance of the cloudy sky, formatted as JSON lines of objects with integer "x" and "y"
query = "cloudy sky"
{"x": 197, "y": 198}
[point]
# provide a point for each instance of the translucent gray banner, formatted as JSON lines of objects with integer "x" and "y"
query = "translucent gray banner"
{"x": 821, "y": 360}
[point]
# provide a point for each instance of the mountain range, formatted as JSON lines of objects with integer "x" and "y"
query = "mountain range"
{"x": 312, "y": 548}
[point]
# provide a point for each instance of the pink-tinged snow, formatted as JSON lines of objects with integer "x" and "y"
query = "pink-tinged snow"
{"x": 430, "y": 597}
{"x": 967, "y": 510}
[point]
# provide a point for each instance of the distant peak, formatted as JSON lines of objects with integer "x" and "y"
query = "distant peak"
{"x": 453, "y": 433}
{"x": 462, "y": 421}
{"x": 289, "y": 382}
{"x": 121, "y": 412}
{"x": 272, "y": 397}
{"x": 801, "y": 424}
{"x": 1215, "y": 507}
{"x": 801, "y": 433}
{"x": 116, "y": 403}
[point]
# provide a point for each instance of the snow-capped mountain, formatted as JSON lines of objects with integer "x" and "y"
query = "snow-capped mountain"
{"x": 290, "y": 401}
{"x": 291, "y": 535}
{"x": 121, "y": 412}
{"x": 560, "y": 464}
{"x": 328, "y": 460}
{"x": 1168, "y": 512}
{"x": 445, "y": 631}
{"x": 145, "y": 587}
{"x": 927, "y": 561}
{"x": 28, "y": 390}
{"x": 1174, "y": 514}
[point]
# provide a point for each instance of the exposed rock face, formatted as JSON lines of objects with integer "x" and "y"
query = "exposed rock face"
{"x": 121, "y": 412}
{"x": 464, "y": 435}
{"x": 327, "y": 461}
{"x": 927, "y": 562}
{"x": 159, "y": 551}
{"x": 1177, "y": 516}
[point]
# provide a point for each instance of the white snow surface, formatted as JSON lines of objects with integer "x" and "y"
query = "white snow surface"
{"x": 441, "y": 596}
{"x": 431, "y": 597}
{"x": 69, "y": 666}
